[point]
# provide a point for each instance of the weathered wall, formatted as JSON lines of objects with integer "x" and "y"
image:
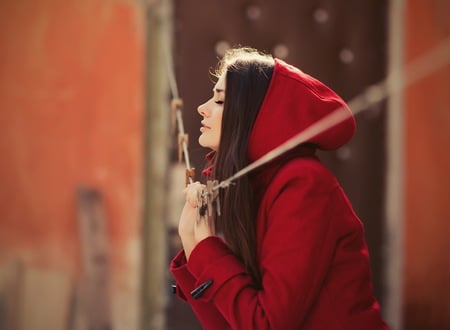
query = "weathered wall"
{"x": 427, "y": 179}
{"x": 71, "y": 114}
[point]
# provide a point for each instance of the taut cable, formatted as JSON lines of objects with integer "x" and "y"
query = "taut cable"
{"x": 417, "y": 69}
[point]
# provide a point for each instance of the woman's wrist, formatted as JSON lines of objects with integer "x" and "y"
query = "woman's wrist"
{"x": 188, "y": 246}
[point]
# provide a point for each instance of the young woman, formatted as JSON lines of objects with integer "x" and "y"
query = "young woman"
{"x": 291, "y": 252}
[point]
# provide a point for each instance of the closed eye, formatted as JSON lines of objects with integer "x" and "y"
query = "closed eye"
{"x": 218, "y": 102}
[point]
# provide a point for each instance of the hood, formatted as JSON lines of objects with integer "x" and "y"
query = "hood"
{"x": 294, "y": 101}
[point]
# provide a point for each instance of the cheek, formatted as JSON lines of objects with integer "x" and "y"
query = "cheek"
{"x": 218, "y": 133}
{"x": 218, "y": 118}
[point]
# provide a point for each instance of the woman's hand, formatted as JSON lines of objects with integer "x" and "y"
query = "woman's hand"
{"x": 191, "y": 228}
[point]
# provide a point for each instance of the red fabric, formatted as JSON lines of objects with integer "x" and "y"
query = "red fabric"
{"x": 292, "y": 103}
{"x": 311, "y": 251}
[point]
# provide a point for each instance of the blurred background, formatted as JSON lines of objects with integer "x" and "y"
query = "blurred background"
{"x": 90, "y": 184}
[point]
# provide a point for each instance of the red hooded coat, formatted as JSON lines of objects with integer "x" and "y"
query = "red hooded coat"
{"x": 311, "y": 251}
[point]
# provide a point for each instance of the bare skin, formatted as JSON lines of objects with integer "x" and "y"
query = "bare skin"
{"x": 191, "y": 229}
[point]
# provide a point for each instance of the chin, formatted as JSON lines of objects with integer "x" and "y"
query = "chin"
{"x": 206, "y": 144}
{"x": 201, "y": 142}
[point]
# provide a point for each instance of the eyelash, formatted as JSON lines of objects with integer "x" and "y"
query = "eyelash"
{"x": 218, "y": 102}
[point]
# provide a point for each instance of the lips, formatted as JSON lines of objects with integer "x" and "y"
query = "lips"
{"x": 204, "y": 126}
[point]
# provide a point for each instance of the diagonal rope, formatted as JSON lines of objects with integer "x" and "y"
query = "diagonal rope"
{"x": 421, "y": 67}
{"x": 416, "y": 70}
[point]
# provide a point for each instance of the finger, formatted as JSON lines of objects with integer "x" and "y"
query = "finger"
{"x": 192, "y": 186}
{"x": 191, "y": 197}
{"x": 191, "y": 193}
{"x": 192, "y": 202}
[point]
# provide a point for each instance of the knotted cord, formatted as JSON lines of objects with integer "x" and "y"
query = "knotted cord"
{"x": 177, "y": 106}
{"x": 206, "y": 196}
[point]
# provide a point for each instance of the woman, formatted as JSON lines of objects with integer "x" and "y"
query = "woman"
{"x": 291, "y": 254}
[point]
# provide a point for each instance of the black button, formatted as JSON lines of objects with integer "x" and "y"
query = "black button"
{"x": 173, "y": 288}
{"x": 198, "y": 291}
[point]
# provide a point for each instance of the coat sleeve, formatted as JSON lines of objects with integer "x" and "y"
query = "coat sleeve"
{"x": 206, "y": 312}
{"x": 295, "y": 255}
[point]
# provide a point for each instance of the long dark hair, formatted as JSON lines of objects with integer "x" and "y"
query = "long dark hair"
{"x": 248, "y": 75}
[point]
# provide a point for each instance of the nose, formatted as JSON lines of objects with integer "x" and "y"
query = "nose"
{"x": 202, "y": 109}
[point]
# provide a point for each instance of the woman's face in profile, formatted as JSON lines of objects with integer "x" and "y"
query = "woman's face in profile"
{"x": 212, "y": 111}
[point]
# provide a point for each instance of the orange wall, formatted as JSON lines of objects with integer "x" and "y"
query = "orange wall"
{"x": 427, "y": 209}
{"x": 71, "y": 113}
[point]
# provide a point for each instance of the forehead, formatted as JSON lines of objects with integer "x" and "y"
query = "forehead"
{"x": 220, "y": 84}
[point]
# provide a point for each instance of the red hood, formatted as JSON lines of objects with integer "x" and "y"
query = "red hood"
{"x": 292, "y": 103}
